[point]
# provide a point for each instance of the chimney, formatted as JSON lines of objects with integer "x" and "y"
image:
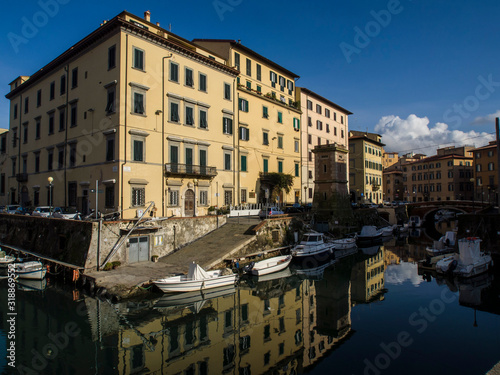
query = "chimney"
{"x": 157, "y": 24}
{"x": 147, "y": 15}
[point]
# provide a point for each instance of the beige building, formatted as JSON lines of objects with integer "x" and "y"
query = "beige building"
{"x": 324, "y": 123}
{"x": 365, "y": 167}
{"x": 150, "y": 116}
{"x": 485, "y": 173}
{"x": 448, "y": 175}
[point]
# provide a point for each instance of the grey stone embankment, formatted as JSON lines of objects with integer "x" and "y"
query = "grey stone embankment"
{"x": 134, "y": 279}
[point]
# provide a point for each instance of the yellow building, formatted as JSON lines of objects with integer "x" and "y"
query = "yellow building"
{"x": 150, "y": 116}
{"x": 324, "y": 123}
{"x": 365, "y": 166}
{"x": 368, "y": 278}
{"x": 486, "y": 175}
{"x": 267, "y": 122}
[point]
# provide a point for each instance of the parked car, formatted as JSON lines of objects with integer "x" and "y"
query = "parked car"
{"x": 269, "y": 211}
{"x": 43, "y": 211}
{"x": 11, "y": 208}
{"x": 66, "y": 213}
{"x": 24, "y": 210}
{"x": 293, "y": 210}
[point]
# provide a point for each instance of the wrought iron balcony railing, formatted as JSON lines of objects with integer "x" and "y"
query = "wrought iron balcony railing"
{"x": 200, "y": 171}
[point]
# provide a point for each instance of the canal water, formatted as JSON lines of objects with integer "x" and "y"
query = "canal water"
{"x": 369, "y": 312}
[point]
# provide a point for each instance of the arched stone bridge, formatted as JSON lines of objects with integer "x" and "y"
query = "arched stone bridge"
{"x": 427, "y": 210}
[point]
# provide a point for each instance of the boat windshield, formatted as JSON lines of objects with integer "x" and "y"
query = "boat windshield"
{"x": 311, "y": 238}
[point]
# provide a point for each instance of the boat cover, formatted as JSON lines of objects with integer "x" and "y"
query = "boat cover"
{"x": 470, "y": 250}
{"x": 196, "y": 272}
{"x": 369, "y": 230}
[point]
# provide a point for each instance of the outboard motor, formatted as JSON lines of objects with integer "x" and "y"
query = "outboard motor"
{"x": 452, "y": 267}
{"x": 248, "y": 267}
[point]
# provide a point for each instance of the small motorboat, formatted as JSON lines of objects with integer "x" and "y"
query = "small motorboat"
{"x": 469, "y": 262}
{"x": 5, "y": 259}
{"x": 34, "y": 270}
{"x": 312, "y": 243}
{"x": 369, "y": 233}
{"x": 344, "y": 243}
{"x": 387, "y": 231}
{"x": 444, "y": 245}
{"x": 269, "y": 265}
{"x": 196, "y": 279}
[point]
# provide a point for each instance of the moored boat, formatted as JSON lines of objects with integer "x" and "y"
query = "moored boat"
{"x": 444, "y": 245}
{"x": 344, "y": 243}
{"x": 269, "y": 265}
{"x": 312, "y": 243}
{"x": 369, "y": 233}
{"x": 30, "y": 270}
{"x": 469, "y": 262}
{"x": 196, "y": 279}
{"x": 5, "y": 259}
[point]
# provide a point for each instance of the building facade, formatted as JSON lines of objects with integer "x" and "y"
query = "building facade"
{"x": 135, "y": 114}
{"x": 486, "y": 173}
{"x": 365, "y": 167}
{"x": 324, "y": 123}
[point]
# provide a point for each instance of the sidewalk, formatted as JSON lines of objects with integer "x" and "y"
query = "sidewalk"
{"x": 125, "y": 281}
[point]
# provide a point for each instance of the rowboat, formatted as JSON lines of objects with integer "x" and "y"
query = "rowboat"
{"x": 5, "y": 259}
{"x": 269, "y": 265}
{"x": 196, "y": 279}
{"x": 470, "y": 261}
{"x": 30, "y": 270}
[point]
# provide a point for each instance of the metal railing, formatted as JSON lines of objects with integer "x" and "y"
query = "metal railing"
{"x": 189, "y": 169}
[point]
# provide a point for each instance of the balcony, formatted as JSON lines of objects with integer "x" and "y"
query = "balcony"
{"x": 22, "y": 177}
{"x": 189, "y": 170}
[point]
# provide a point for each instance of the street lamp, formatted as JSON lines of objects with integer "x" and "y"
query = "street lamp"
{"x": 50, "y": 179}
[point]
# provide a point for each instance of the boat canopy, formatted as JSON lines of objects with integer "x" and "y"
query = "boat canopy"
{"x": 470, "y": 250}
{"x": 196, "y": 272}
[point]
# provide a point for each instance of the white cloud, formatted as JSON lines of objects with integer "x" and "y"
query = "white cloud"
{"x": 414, "y": 134}
{"x": 398, "y": 274}
{"x": 488, "y": 119}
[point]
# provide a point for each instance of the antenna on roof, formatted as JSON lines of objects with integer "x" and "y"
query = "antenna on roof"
{"x": 170, "y": 27}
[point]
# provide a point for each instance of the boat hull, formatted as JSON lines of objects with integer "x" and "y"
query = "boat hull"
{"x": 30, "y": 270}
{"x": 271, "y": 265}
{"x": 178, "y": 284}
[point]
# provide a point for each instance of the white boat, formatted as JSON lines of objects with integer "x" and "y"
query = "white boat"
{"x": 469, "y": 262}
{"x": 5, "y": 259}
{"x": 269, "y": 265}
{"x": 31, "y": 285}
{"x": 444, "y": 245}
{"x": 344, "y": 243}
{"x": 196, "y": 279}
{"x": 369, "y": 233}
{"x": 387, "y": 231}
{"x": 312, "y": 243}
{"x": 192, "y": 298}
{"x": 30, "y": 270}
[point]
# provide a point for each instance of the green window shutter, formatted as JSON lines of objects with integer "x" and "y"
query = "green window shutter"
{"x": 266, "y": 166}
{"x": 243, "y": 163}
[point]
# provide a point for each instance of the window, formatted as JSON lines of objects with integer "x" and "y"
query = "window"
{"x": 280, "y": 166}
{"x": 309, "y": 122}
{"x": 203, "y": 82}
{"x": 174, "y": 72}
{"x": 72, "y": 154}
{"x": 227, "y": 125}
{"x": 52, "y": 91}
{"x": 327, "y": 112}
{"x": 73, "y": 115}
{"x": 14, "y": 160}
{"x": 259, "y": 72}
{"x": 289, "y": 85}
{"x": 478, "y": 167}
{"x": 227, "y": 161}
{"x": 138, "y": 150}
{"x": 26, "y": 104}
{"x": 60, "y": 158}
{"x": 490, "y": 167}
{"x": 74, "y": 78}
{"x": 274, "y": 78}
{"x": 297, "y": 167}
{"x": 309, "y": 139}
{"x": 111, "y": 57}
{"x": 189, "y": 77}
{"x": 173, "y": 197}
{"x": 318, "y": 109}
{"x": 138, "y": 196}
{"x": 296, "y": 145}
{"x": 296, "y": 124}
{"x": 15, "y": 111}
{"x": 244, "y": 133}
{"x": 265, "y": 138}
{"x": 341, "y": 133}
{"x": 111, "y": 96}
{"x": 319, "y": 125}
{"x": 249, "y": 67}
{"x": 282, "y": 82}
{"x": 328, "y": 128}
{"x": 259, "y": 89}
{"x": 243, "y": 165}
{"x": 50, "y": 159}
{"x": 38, "y": 127}
{"x": 109, "y": 198}
{"x": 138, "y": 99}
{"x": 265, "y": 166}
{"x": 174, "y": 112}
{"x": 490, "y": 154}
{"x": 203, "y": 198}
{"x": 249, "y": 85}
{"x": 51, "y": 123}
{"x": 265, "y": 112}
{"x": 138, "y": 58}
{"x": 280, "y": 117}
{"x": 237, "y": 60}
{"x": 37, "y": 162}
{"x": 203, "y": 119}
{"x": 280, "y": 141}
{"x": 39, "y": 98}
{"x": 62, "y": 88}
{"x": 110, "y": 148}
{"x": 243, "y": 105}
{"x": 62, "y": 119}
{"x": 309, "y": 105}
{"x": 189, "y": 115}
{"x": 25, "y": 133}
{"x": 227, "y": 91}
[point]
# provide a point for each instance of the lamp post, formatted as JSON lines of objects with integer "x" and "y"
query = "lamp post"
{"x": 50, "y": 180}
{"x": 195, "y": 182}
{"x": 305, "y": 195}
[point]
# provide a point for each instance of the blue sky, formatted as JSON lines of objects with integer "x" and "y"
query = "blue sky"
{"x": 421, "y": 73}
